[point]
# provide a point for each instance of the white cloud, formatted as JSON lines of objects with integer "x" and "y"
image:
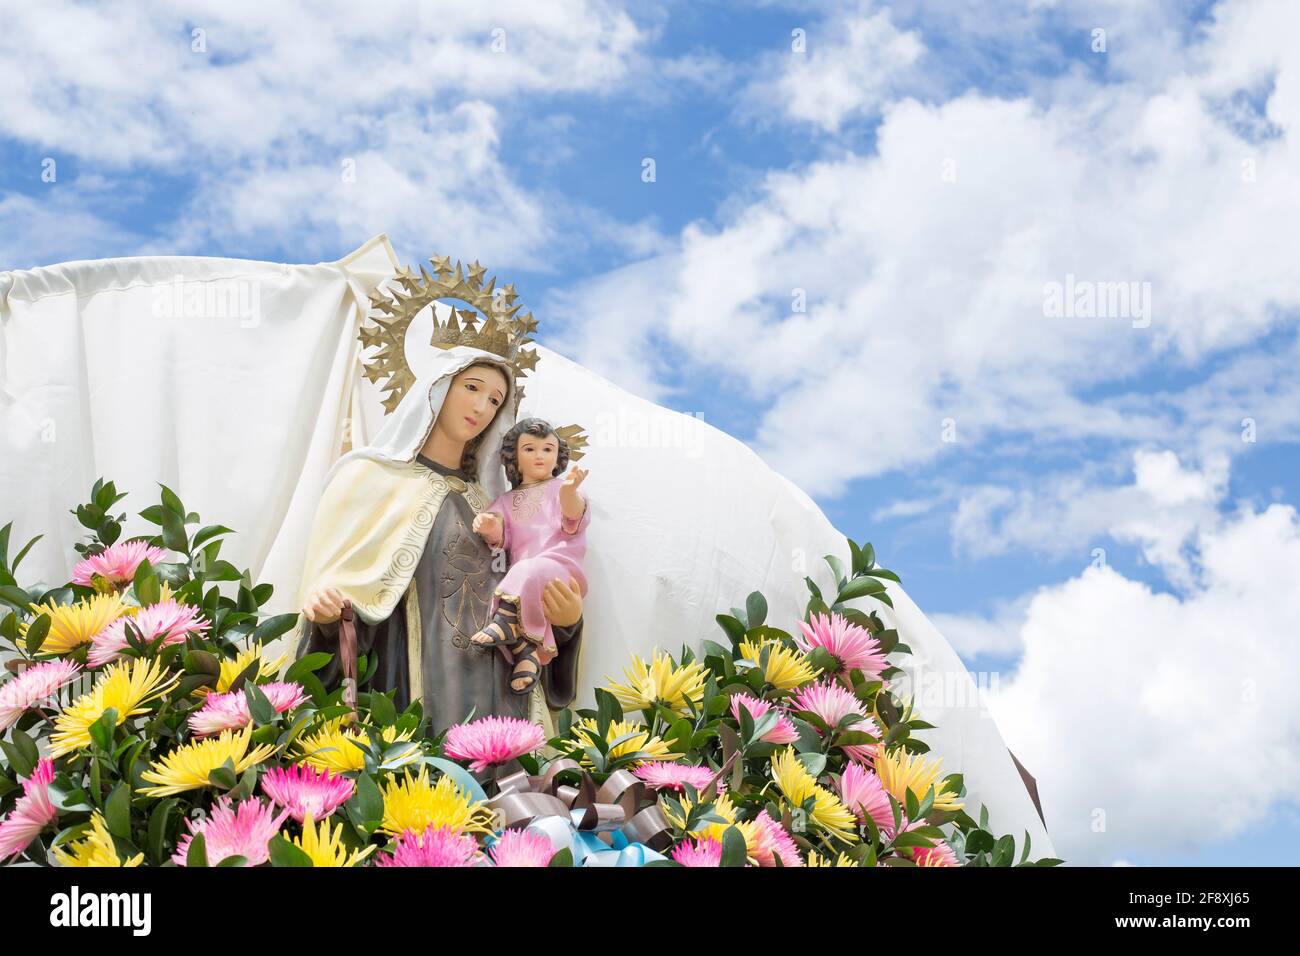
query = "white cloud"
{"x": 1072, "y": 513}
{"x": 851, "y": 63}
{"x": 1156, "y": 724}
{"x": 57, "y": 221}
{"x": 262, "y": 106}
{"x": 924, "y": 267}
{"x": 267, "y": 75}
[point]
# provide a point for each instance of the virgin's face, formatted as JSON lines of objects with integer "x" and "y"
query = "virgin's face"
{"x": 472, "y": 402}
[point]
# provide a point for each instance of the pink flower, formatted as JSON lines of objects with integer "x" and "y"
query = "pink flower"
{"x": 832, "y": 702}
{"x": 166, "y": 619}
{"x": 783, "y": 733}
{"x": 864, "y": 794}
{"x": 117, "y": 562}
{"x": 941, "y": 854}
{"x": 31, "y": 814}
{"x": 702, "y": 852}
{"x": 435, "y": 846}
{"x": 230, "y": 711}
{"x": 522, "y": 848}
{"x": 492, "y": 740}
{"x": 773, "y": 841}
{"x": 302, "y": 789}
{"x": 33, "y": 686}
{"x": 852, "y": 646}
{"x": 660, "y": 774}
{"x": 243, "y": 831}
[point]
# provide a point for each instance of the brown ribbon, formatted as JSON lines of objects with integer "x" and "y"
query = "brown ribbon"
{"x": 522, "y": 798}
{"x": 348, "y": 657}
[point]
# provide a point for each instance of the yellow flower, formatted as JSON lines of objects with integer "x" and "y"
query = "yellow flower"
{"x": 815, "y": 859}
{"x": 901, "y": 771}
{"x": 723, "y": 807}
{"x": 72, "y": 625}
{"x": 94, "y": 849}
{"x": 187, "y": 767}
{"x": 786, "y": 669}
{"x": 663, "y": 681}
{"x": 326, "y": 848}
{"x": 232, "y": 669}
{"x": 798, "y": 785}
{"x": 414, "y": 803}
{"x": 341, "y": 750}
{"x": 127, "y": 685}
{"x": 585, "y": 731}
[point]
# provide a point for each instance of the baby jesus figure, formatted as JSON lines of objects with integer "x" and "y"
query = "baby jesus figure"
{"x": 541, "y": 523}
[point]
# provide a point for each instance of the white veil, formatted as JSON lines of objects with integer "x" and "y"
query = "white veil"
{"x": 404, "y": 432}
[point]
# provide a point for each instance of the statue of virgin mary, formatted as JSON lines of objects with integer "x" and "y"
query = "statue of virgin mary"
{"x": 393, "y": 534}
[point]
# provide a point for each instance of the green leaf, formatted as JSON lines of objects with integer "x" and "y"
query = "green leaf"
{"x": 882, "y": 573}
{"x": 16, "y": 597}
{"x": 913, "y": 838}
{"x": 205, "y": 534}
{"x": 369, "y": 800}
{"x": 147, "y": 589}
{"x": 273, "y": 627}
{"x": 734, "y": 629}
{"x": 823, "y": 660}
{"x": 814, "y": 763}
{"x": 979, "y": 841}
{"x": 1004, "y": 851}
{"x": 102, "y": 730}
{"x": 23, "y": 553}
{"x": 756, "y": 609}
{"x": 259, "y": 705}
{"x": 733, "y": 847}
{"x": 460, "y": 776}
{"x": 153, "y": 514}
{"x": 158, "y": 828}
{"x": 18, "y": 761}
{"x": 860, "y": 587}
{"x": 117, "y": 811}
{"x": 223, "y": 777}
{"x": 197, "y": 855}
{"x": 608, "y": 710}
{"x": 307, "y": 664}
{"x": 562, "y": 857}
{"x": 171, "y": 502}
{"x": 837, "y": 568}
{"x": 382, "y": 711}
{"x": 174, "y": 532}
{"x": 36, "y": 632}
{"x": 235, "y": 860}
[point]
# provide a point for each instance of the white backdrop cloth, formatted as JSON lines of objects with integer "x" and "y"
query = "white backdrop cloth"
{"x": 104, "y": 371}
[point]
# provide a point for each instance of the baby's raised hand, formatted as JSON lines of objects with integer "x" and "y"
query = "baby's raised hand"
{"x": 488, "y": 526}
{"x": 570, "y": 502}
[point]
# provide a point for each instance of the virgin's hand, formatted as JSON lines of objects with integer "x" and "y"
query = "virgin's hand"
{"x": 562, "y": 603}
{"x": 324, "y": 606}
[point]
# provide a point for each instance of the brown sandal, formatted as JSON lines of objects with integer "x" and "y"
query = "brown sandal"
{"x": 524, "y": 651}
{"x": 502, "y": 629}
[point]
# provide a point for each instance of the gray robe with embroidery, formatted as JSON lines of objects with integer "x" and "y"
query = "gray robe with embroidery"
{"x": 453, "y": 584}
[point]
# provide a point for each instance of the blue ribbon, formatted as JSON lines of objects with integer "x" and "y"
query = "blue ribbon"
{"x": 587, "y": 848}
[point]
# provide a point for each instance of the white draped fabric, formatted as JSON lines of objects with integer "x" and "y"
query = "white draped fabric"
{"x": 238, "y": 384}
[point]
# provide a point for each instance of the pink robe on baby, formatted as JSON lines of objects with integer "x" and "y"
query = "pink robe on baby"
{"x": 542, "y": 545}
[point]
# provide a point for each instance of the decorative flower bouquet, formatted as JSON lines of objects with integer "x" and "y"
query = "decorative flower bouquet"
{"x": 143, "y": 721}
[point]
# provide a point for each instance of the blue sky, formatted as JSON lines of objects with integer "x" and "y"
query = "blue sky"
{"x": 922, "y": 170}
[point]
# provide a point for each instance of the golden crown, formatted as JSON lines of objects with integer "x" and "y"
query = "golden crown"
{"x": 503, "y": 331}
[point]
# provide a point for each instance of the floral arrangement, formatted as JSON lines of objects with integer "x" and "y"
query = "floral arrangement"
{"x": 144, "y": 722}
